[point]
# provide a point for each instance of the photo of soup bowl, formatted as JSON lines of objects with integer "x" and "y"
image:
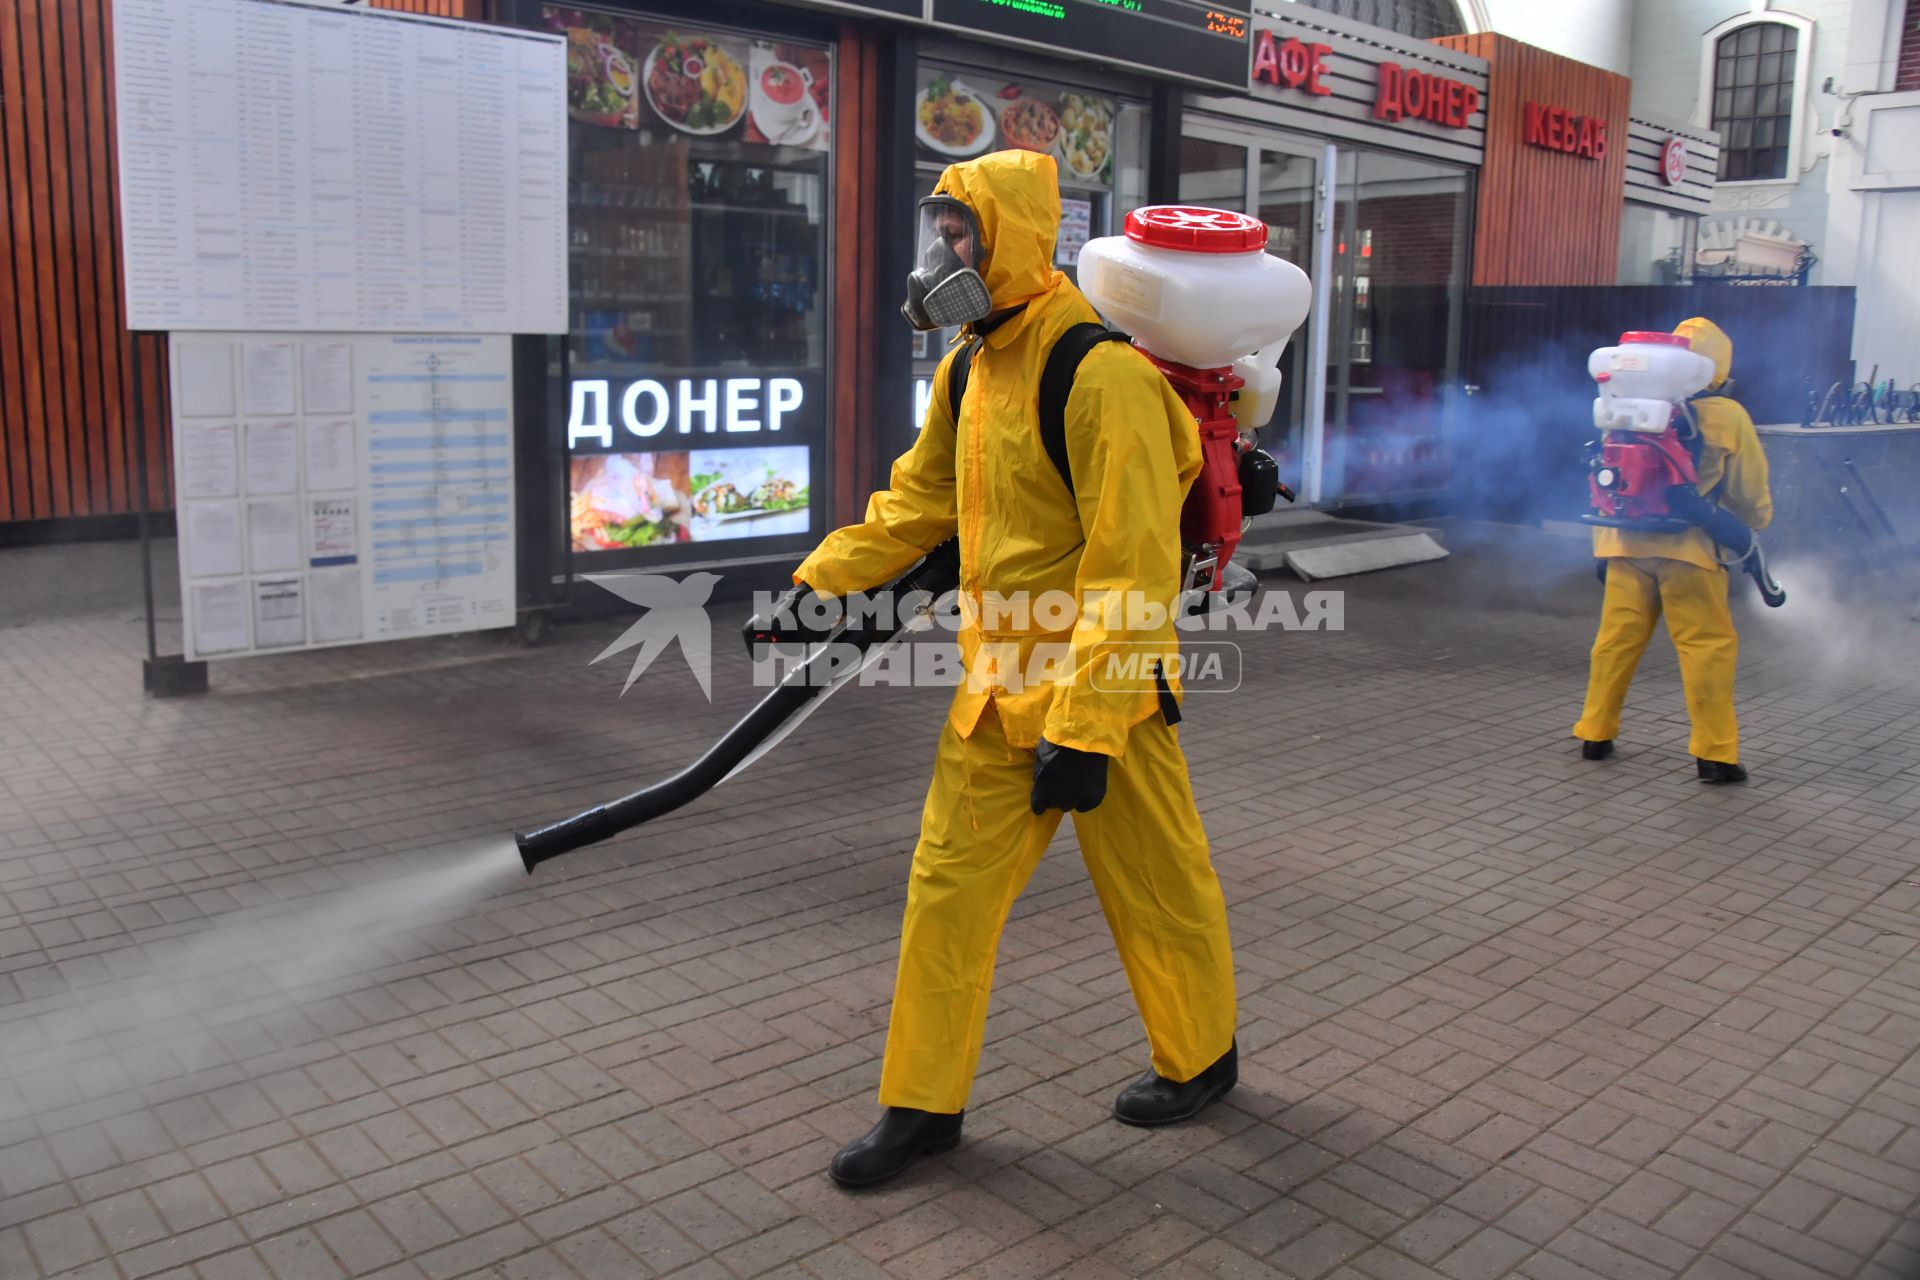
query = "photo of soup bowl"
{"x": 783, "y": 107}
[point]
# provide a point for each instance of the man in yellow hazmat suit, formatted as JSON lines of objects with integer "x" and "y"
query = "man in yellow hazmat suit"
{"x": 1679, "y": 574}
{"x": 1017, "y": 751}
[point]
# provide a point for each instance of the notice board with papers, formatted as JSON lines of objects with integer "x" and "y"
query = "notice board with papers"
{"x": 341, "y": 488}
{"x": 289, "y": 167}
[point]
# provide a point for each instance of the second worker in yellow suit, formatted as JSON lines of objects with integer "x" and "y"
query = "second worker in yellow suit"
{"x": 1017, "y": 752}
{"x": 1680, "y": 575}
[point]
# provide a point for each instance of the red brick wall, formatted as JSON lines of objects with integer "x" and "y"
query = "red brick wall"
{"x": 1412, "y": 238}
{"x": 1908, "y": 74}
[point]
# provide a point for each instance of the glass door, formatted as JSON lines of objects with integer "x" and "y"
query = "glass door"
{"x": 1398, "y": 282}
{"x": 1276, "y": 180}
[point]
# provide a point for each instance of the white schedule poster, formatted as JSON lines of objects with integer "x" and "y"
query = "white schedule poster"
{"x": 382, "y": 509}
{"x": 292, "y": 168}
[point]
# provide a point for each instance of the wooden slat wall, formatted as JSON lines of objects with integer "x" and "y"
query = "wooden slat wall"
{"x": 1545, "y": 217}
{"x": 66, "y": 360}
{"x": 66, "y": 395}
{"x": 857, "y": 105}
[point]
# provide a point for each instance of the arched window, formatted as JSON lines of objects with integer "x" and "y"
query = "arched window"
{"x": 1755, "y": 87}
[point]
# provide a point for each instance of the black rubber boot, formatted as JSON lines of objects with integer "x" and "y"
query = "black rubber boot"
{"x": 1596, "y": 750}
{"x": 890, "y": 1146}
{"x": 1154, "y": 1100}
{"x": 1717, "y": 773}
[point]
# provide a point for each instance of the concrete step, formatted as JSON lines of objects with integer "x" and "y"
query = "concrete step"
{"x": 1314, "y": 545}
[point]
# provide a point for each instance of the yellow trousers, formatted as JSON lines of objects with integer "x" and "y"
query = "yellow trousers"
{"x": 979, "y": 842}
{"x": 1694, "y": 601}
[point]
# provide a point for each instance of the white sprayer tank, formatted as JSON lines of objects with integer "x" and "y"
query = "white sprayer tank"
{"x": 1643, "y": 378}
{"x": 1197, "y": 287}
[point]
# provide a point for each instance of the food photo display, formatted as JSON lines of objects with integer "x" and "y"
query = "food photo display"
{"x": 957, "y": 117}
{"x": 626, "y": 501}
{"x": 627, "y": 74}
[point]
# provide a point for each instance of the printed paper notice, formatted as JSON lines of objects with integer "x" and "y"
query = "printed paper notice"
{"x": 266, "y": 378}
{"x": 327, "y": 378}
{"x": 273, "y": 535}
{"x": 209, "y": 460}
{"x": 1076, "y": 223}
{"x": 273, "y": 461}
{"x": 206, "y": 379}
{"x": 219, "y": 617}
{"x": 331, "y": 463}
{"x": 279, "y": 613}
{"x": 335, "y": 535}
{"x": 336, "y": 606}
{"x": 213, "y": 539}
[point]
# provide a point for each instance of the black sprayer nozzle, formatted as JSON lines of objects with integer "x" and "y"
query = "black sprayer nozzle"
{"x": 931, "y": 578}
{"x": 550, "y": 841}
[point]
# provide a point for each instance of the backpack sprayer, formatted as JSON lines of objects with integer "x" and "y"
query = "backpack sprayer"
{"x": 1645, "y": 476}
{"x": 1213, "y": 311}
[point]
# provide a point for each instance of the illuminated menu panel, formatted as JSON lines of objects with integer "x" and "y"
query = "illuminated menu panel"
{"x": 1197, "y": 41}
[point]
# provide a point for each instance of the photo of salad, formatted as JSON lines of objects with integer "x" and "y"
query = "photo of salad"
{"x": 749, "y": 493}
{"x": 602, "y": 75}
{"x": 952, "y": 119}
{"x": 1086, "y": 134}
{"x": 1029, "y": 124}
{"x": 695, "y": 84}
{"x": 622, "y": 501}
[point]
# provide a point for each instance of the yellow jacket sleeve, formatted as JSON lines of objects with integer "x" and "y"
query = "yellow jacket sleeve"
{"x": 1134, "y": 452}
{"x": 1744, "y": 490}
{"x": 915, "y": 513}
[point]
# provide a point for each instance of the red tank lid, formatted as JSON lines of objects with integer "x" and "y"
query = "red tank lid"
{"x": 1195, "y": 230}
{"x": 1655, "y": 339}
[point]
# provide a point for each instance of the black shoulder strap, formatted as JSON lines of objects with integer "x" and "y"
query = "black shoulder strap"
{"x": 1056, "y": 384}
{"x": 957, "y": 377}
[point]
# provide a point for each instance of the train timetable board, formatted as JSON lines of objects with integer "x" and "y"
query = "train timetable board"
{"x": 1192, "y": 39}
{"x": 341, "y": 488}
{"x": 290, "y": 167}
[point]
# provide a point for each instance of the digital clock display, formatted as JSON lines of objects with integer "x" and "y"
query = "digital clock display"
{"x": 1198, "y": 41}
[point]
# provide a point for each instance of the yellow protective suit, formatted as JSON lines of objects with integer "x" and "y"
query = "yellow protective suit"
{"x": 1678, "y": 574}
{"x": 1134, "y": 451}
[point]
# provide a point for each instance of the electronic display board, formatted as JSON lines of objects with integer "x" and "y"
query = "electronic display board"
{"x": 1184, "y": 38}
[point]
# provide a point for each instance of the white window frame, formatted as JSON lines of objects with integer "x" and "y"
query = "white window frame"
{"x": 1802, "y": 68}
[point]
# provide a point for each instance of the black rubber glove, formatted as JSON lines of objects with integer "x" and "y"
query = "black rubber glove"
{"x": 1067, "y": 778}
{"x": 1600, "y": 570}
{"x": 793, "y": 619}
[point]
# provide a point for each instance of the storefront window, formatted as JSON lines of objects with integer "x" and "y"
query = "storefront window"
{"x": 1098, "y": 139}
{"x": 1656, "y": 245}
{"x": 1399, "y": 276}
{"x": 698, "y": 183}
{"x": 1214, "y": 172}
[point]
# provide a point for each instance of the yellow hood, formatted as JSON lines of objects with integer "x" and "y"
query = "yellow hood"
{"x": 1705, "y": 338}
{"x": 1016, "y": 197}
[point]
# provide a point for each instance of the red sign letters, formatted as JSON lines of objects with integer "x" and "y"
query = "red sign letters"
{"x": 1407, "y": 94}
{"x": 1291, "y": 63}
{"x": 1558, "y": 130}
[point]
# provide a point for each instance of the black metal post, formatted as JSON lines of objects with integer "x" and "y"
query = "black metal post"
{"x": 172, "y": 675}
{"x": 140, "y": 476}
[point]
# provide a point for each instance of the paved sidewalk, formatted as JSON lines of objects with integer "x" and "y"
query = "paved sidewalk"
{"x": 270, "y": 1007}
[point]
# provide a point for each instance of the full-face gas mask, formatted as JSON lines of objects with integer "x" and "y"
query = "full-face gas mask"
{"x": 945, "y": 289}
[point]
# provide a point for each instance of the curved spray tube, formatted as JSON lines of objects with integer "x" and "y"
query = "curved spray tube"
{"x": 933, "y": 577}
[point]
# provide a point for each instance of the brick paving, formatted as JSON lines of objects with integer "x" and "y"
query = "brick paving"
{"x": 1504, "y": 1012}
